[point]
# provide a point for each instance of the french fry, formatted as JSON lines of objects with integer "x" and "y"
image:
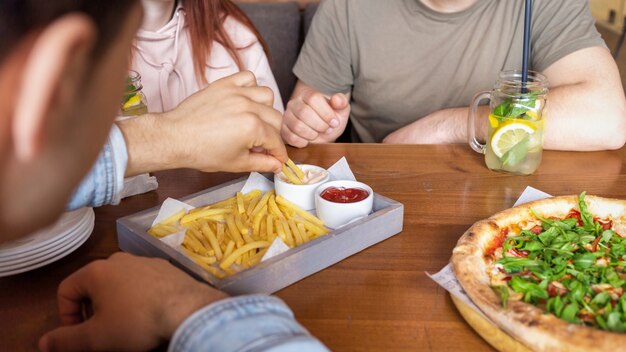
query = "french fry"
{"x": 305, "y": 236}
{"x": 296, "y": 170}
{"x": 237, "y": 253}
{"x": 202, "y": 262}
{"x": 230, "y": 247}
{"x": 262, "y": 230}
{"x": 233, "y": 231}
{"x": 261, "y": 203}
{"x": 287, "y": 211}
{"x": 274, "y": 208}
{"x": 256, "y": 224}
{"x": 200, "y": 258}
{"x": 247, "y": 238}
{"x": 210, "y": 235}
{"x": 204, "y": 213}
{"x": 216, "y": 272}
{"x": 280, "y": 231}
{"x": 255, "y": 259}
{"x": 191, "y": 225}
{"x": 239, "y": 222}
{"x": 251, "y": 205}
{"x": 240, "y": 206}
{"x": 197, "y": 234}
{"x": 295, "y": 232}
{"x": 318, "y": 231}
{"x": 269, "y": 228}
{"x": 288, "y": 235}
{"x": 233, "y": 200}
{"x": 193, "y": 244}
{"x": 291, "y": 177}
{"x": 303, "y": 213}
{"x": 161, "y": 230}
{"x": 220, "y": 232}
{"x": 173, "y": 218}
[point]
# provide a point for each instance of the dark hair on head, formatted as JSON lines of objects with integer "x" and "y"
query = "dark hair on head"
{"x": 20, "y": 17}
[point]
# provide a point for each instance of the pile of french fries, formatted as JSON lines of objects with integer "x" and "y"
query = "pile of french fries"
{"x": 234, "y": 234}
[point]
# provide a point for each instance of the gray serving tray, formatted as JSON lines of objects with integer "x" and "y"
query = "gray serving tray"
{"x": 279, "y": 271}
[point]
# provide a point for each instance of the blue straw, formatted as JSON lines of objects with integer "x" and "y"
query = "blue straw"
{"x": 525, "y": 58}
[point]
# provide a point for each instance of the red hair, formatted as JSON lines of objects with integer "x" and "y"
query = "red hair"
{"x": 205, "y": 20}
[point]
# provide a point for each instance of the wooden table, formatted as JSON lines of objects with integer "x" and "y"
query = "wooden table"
{"x": 380, "y": 298}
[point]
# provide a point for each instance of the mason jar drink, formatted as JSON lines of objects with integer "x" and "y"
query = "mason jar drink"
{"x": 514, "y": 140}
{"x": 134, "y": 101}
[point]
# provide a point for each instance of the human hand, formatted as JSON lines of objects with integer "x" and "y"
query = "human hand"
{"x": 137, "y": 304}
{"x": 228, "y": 126}
{"x": 311, "y": 117}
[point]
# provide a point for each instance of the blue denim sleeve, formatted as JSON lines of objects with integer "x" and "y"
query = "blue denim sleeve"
{"x": 105, "y": 181}
{"x": 244, "y": 323}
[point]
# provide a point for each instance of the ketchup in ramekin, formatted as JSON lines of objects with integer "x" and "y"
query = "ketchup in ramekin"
{"x": 338, "y": 203}
{"x": 344, "y": 195}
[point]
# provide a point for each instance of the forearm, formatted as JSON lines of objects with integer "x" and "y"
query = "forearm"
{"x": 582, "y": 117}
{"x": 441, "y": 127}
{"x": 149, "y": 144}
{"x": 235, "y": 325}
{"x": 586, "y": 107}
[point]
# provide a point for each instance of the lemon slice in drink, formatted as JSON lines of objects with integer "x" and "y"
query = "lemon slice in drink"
{"x": 133, "y": 101}
{"x": 507, "y": 136}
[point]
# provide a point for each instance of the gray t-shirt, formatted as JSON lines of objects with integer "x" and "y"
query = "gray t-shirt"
{"x": 402, "y": 61}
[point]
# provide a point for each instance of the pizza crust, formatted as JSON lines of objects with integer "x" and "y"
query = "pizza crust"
{"x": 525, "y": 322}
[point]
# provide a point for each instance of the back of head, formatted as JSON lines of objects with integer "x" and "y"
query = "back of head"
{"x": 61, "y": 76}
{"x": 21, "y": 17}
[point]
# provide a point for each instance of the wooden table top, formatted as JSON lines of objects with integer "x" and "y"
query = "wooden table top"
{"x": 380, "y": 298}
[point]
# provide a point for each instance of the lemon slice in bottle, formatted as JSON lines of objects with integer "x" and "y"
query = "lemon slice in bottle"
{"x": 133, "y": 101}
{"x": 507, "y": 136}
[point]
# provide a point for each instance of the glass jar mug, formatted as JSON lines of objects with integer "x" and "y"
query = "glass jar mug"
{"x": 514, "y": 142}
{"x": 134, "y": 101}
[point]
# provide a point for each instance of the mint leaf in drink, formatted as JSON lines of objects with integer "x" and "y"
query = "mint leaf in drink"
{"x": 516, "y": 154}
{"x": 516, "y": 107}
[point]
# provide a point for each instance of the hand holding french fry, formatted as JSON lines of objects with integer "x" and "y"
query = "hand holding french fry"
{"x": 228, "y": 126}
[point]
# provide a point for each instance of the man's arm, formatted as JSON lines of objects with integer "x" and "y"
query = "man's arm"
{"x": 586, "y": 108}
{"x": 137, "y": 304}
{"x": 229, "y": 126}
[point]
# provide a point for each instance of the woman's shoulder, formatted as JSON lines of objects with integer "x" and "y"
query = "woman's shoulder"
{"x": 239, "y": 33}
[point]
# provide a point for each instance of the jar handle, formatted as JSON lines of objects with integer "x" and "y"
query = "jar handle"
{"x": 471, "y": 122}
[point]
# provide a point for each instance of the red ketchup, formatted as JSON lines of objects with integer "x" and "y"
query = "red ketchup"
{"x": 344, "y": 195}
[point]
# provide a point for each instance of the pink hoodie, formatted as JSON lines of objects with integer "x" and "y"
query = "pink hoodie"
{"x": 164, "y": 60}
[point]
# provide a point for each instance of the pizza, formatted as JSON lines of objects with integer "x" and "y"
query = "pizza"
{"x": 551, "y": 273}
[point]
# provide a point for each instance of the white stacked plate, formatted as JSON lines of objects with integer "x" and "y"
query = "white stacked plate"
{"x": 48, "y": 245}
